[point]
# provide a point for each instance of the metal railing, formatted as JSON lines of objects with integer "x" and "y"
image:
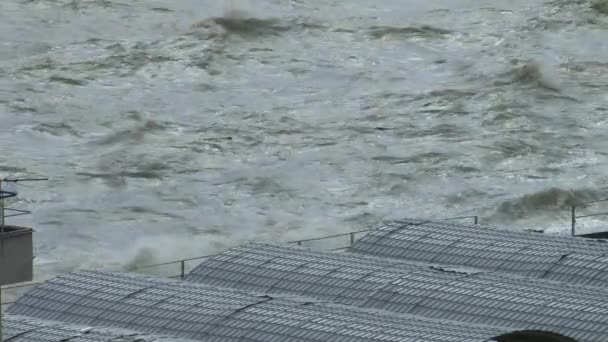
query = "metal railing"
{"x": 184, "y": 268}
{"x": 574, "y": 217}
{"x": 474, "y": 217}
{"x": 352, "y": 237}
{"x": 182, "y": 264}
{"x": 5, "y": 194}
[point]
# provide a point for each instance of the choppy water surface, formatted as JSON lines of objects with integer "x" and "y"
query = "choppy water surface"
{"x": 178, "y": 128}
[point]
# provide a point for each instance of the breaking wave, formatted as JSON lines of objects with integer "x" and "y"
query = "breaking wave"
{"x": 531, "y": 73}
{"x": 545, "y": 201}
{"x": 132, "y": 135}
{"x": 57, "y": 129}
{"x": 240, "y": 23}
{"x": 380, "y": 32}
{"x": 152, "y": 250}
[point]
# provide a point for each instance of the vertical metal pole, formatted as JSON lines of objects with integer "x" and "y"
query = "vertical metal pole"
{"x": 183, "y": 265}
{"x": 1, "y": 212}
{"x": 573, "y": 219}
{"x": 1, "y": 314}
{"x": 1, "y": 241}
{"x": 352, "y": 239}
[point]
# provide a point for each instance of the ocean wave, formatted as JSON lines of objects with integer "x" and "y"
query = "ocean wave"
{"x": 57, "y": 129}
{"x": 244, "y": 25}
{"x": 132, "y": 135}
{"x": 67, "y": 80}
{"x": 117, "y": 167}
{"x": 531, "y": 73}
{"x": 514, "y": 147}
{"x": 79, "y": 5}
{"x": 121, "y": 60}
{"x": 544, "y": 201}
{"x": 600, "y": 6}
{"x": 203, "y": 46}
{"x": 381, "y": 32}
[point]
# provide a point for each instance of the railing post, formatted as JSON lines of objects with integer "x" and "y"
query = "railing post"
{"x": 352, "y": 239}
{"x": 183, "y": 266}
{"x": 573, "y": 213}
{"x": 1, "y": 315}
{"x": 1, "y": 219}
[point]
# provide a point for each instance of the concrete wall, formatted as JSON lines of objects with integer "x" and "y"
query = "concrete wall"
{"x": 16, "y": 255}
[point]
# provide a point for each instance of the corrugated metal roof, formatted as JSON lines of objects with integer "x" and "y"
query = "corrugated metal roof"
{"x": 26, "y": 329}
{"x": 574, "y": 260}
{"x": 155, "y": 305}
{"x": 454, "y": 293}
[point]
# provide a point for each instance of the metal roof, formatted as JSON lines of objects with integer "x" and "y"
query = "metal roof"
{"x": 573, "y": 260}
{"x": 173, "y": 308}
{"x": 26, "y": 329}
{"x": 453, "y": 293}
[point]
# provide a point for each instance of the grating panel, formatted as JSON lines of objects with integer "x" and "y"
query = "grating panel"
{"x": 455, "y": 293}
{"x": 26, "y": 329}
{"x": 215, "y": 314}
{"x": 574, "y": 260}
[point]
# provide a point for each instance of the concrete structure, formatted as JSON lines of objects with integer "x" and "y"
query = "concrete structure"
{"x": 16, "y": 255}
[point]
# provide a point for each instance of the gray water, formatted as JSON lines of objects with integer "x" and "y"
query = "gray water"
{"x": 172, "y": 129}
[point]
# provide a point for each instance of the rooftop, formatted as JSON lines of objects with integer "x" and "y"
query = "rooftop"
{"x": 161, "y": 306}
{"x": 434, "y": 291}
{"x": 568, "y": 259}
{"x": 413, "y": 280}
{"x": 27, "y": 329}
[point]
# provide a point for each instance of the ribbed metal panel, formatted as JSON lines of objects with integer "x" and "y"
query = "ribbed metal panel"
{"x": 26, "y": 329}
{"x": 155, "y": 305}
{"x": 573, "y": 260}
{"x": 454, "y": 293}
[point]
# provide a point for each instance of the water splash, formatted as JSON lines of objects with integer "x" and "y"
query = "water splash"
{"x": 544, "y": 202}
{"x": 534, "y": 73}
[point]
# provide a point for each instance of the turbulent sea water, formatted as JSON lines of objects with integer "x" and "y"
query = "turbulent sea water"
{"x": 172, "y": 129}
